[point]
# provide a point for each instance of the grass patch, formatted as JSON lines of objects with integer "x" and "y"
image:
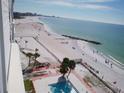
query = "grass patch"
{"x": 28, "y": 85}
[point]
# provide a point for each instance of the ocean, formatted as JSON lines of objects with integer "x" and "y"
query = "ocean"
{"x": 110, "y": 35}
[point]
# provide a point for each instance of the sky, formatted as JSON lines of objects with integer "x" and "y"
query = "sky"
{"x": 108, "y": 11}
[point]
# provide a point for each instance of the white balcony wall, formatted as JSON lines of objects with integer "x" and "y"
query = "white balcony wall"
{"x": 6, "y": 29}
{"x": 4, "y": 44}
{"x": 15, "y": 80}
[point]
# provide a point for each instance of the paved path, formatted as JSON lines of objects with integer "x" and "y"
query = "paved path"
{"x": 108, "y": 86}
{"x": 48, "y": 50}
{"x": 89, "y": 87}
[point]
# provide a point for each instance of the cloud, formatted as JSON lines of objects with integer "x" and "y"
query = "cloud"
{"x": 78, "y": 1}
{"x": 97, "y": 1}
{"x": 63, "y": 3}
{"x": 94, "y": 6}
{"x": 82, "y": 4}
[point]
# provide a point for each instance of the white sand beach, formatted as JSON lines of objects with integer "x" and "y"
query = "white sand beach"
{"x": 52, "y": 47}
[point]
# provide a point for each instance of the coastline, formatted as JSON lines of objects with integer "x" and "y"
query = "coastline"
{"x": 119, "y": 67}
{"x": 74, "y": 49}
{"x": 109, "y": 35}
{"x": 114, "y": 61}
{"x": 48, "y": 29}
{"x": 109, "y": 57}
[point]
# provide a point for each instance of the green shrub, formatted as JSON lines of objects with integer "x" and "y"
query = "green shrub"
{"x": 28, "y": 85}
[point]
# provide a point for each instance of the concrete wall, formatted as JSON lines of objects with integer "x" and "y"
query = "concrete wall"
{"x": 15, "y": 81}
{"x": 6, "y": 29}
{"x": 10, "y": 81}
{"x": 4, "y": 44}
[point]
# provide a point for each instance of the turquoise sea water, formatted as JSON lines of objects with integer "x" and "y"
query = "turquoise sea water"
{"x": 110, "y": 35}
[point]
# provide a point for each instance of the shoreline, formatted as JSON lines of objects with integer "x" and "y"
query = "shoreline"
{"x": 47, "y": 28}
{"x": 107, "y": 56}
{"x": 65, "y": 47}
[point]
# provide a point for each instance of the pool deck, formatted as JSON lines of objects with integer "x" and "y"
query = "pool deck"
{"x": 42, "y": 84}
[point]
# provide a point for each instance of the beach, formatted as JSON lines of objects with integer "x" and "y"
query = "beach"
{"x": 109, "y": 36}
{"x": 31, "y": 33}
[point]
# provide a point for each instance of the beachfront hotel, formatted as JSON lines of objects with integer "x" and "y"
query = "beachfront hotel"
{"x": 11, "y": 79}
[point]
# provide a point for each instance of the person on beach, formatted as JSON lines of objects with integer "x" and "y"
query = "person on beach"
{"x": 111, "y": 65}
{"x": 107, "y": 61}
{"x": 102, "y": 76}
{"x": 93, "y": 51}
{"x": 96, "y": 60}
{"x": 114, "y": 82}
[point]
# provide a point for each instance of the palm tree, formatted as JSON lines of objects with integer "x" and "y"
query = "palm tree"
{"x": 63, "y": 70}
{"x": 26, "y": 43}
{"x": 67, "y": 65}
{"x": 36, "y": 55}
{"x": 65, "y": 62}
{"x": 36, "y": 50}
{"x": 71, "y": 66}
{"x": 64, "y": 66}
{"x": 29, "y": 55}
{"x": 23, "y": 52}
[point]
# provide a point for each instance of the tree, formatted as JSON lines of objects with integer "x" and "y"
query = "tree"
{"x": 36, "y": 50}
{"x": 67, "y": 65}
{"x": 63, "y": 70}
{"x": 36, "y": 55}
{"x": 64, "y": 66}
{"x": 26, "y": 43}
{"x": 65, "y": 62}
{"x": 29, "y": 55}
{"x": 71, "y": 66}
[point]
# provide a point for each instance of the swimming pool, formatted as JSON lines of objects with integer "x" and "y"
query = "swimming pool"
{"x": 62, "y": 87}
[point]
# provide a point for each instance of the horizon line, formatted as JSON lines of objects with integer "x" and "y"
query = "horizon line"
{"x": 72, "y": 18}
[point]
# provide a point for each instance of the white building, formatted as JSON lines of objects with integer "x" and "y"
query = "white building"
{"x": 11, "y": 79}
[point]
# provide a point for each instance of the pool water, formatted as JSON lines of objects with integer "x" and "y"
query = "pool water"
{"x": 62, "y": 87}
